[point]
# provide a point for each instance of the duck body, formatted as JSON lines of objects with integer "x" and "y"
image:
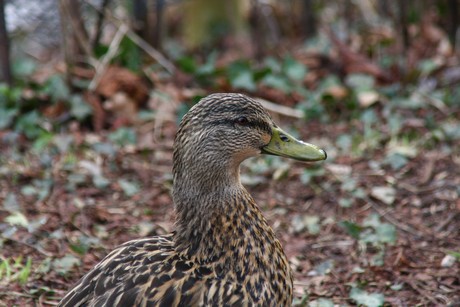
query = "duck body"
{"x": 222, "y": 252}
{"x": 250, "y": 271}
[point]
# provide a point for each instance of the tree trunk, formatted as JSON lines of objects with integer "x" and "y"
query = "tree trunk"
{"x": 309, "y": 19}
{"x": 5, "y": 70}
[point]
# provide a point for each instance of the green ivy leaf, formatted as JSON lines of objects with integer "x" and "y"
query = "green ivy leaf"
{"x": 79, "y": 108}
{"x": 351, "y": 228}
{"x": 322, "y": 302}
{"x": 278, "y": 82}
{"x": 28, "y": 124}
{"x": 367, "y": 299}
{"x": 244, "y": 80}
{"x": 65, "y": 264}
{"x": 294, "y": 70}
{"x": 6, "y": 117}
{"x": 129, "y": 188}
{"x": 123, "y": 136}
{"x": 57, "y": 88}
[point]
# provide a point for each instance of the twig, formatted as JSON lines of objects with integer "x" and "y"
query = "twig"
{"x": 342, "y": 243}
{"x": 283, "y": 110}
{"x": 37, "y": 248}
{"x": 113, "y": 48}
{"x": 392, "y": 220}
{"x": 445, "y": 222}
{"x": 71, "y": 9}
{"x": 155, "y": 54}
{"x": 422, "y": 292}
{"x": 14, "y": 293}
{"x": 99, "y": 23}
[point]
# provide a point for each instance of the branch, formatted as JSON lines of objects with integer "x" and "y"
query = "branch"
{"x": 283, "y": 110}
{"x": 102, "y": 65}
{"x": 71, "y": 9}
{"x": 100, "y": 22}
{"x": 155, "y": 54}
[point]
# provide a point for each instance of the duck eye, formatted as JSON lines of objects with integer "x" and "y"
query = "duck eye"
{"x": 243, "y": 121}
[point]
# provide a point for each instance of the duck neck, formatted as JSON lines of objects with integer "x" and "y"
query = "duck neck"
{"x": 215, "y": 212}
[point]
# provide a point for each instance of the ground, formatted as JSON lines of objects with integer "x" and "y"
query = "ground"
{"x": 351, "y": 226}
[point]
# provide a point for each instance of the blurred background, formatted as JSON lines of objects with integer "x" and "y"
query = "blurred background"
{"x": 91, "y": 93}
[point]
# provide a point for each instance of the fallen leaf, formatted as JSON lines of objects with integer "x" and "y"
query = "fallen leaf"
{"x": 385, "y": 194}
{"x": 367, "y": 98}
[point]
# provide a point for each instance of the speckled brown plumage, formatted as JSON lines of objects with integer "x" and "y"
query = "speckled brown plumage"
{"x": 223, "y": 252}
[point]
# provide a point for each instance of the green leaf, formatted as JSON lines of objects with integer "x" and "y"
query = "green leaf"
{"x": 367, "y": 299}
{"x": 28, "y": 124}
{"x": 278, "y": 82}
{"x": 25, "y": 272}
{"x": 241, "y": 76}
{"x": 309, "y": 173}
{"x": 23, "y": 67}
{"x": 352, "y": 229}
{"x": 294, "y": 70}
{"x": 322, "y": 302}
{"x": 395, "y": 123}
{"x": 65, "y": 264}
{"x": 397, "y": 287}
{"x": 273, "y": 64}
{"x": 17, "y": 218}
{"x": 454, "y": 254}
{"x": 344, "y": 141}
{"x": 360, "y": 82}
{"x": 209, "y": 67}
{"x": 409, "y": 103}
{"x": 57, "y": 88}
{"x": 369, "y": 117}
{"x": 105, "y": 148}
{"x": 345, "y": 202}
{"x": 100, "y": 181}
{"x": 372, "y": 220}
{"x": 129, "y": 188}
{"x": 79, "y": 108}
{"x": 386, "y": 233}
{"x": 6, "y": 117}
{"x": 5, "y": 269}
{"x": 10, "y": 203}
{"x": 396, "y": 160}
{"x": 244, "y": 80}
{"x": 187, "y": 64}
{"x": 82, "y": 245}
{"x": 310, "y": 222}
{"x": 427, "y": 66}
{"x": 381, "y": 233}
{"x": 451, "y": 130}
{"x": 129, "y": 55}
{"x": 123, "y": 136}
{"x": 42, "y": 141}
{"x": 325, "y": 267}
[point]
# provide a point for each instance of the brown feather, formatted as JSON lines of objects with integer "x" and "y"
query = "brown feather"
{"x": 223, "y": 252}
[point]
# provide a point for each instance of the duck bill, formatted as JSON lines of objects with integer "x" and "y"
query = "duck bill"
{"x": 285, "y": 145}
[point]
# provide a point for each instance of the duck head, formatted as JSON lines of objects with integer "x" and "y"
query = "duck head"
{"x": 224, "y": 129}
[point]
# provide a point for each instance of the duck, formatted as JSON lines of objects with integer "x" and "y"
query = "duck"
{"x": 223, "y": 251}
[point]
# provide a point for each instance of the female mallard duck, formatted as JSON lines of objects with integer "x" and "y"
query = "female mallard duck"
{"x": 223, "y": 252}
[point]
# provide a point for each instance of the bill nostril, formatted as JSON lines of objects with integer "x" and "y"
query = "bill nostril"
{"x": 284, "y": 138}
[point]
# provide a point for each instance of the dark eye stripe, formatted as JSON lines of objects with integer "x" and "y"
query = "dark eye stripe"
{"x": 252, "y": 124}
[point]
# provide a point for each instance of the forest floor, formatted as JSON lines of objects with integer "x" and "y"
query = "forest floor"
{"x": 377, "y": 223}
{"x": 346, "y": 224}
